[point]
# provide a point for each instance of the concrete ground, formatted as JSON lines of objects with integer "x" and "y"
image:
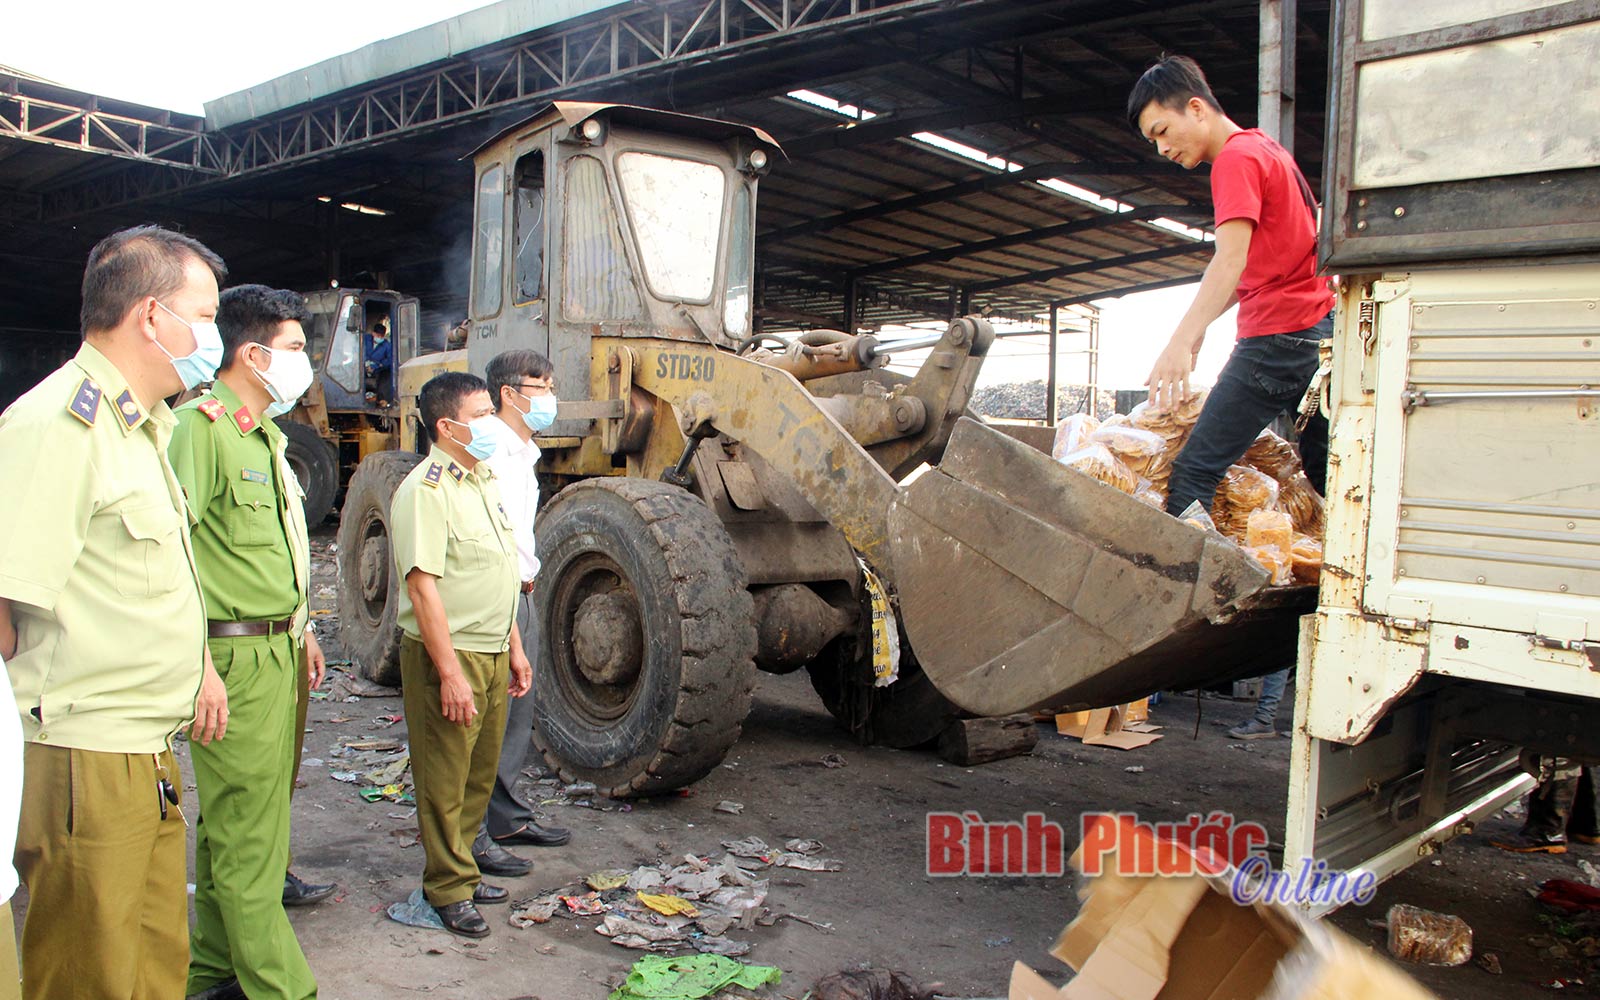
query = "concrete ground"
{"x": 963, "y": 933}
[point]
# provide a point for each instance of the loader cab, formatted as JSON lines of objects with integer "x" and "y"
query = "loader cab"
{"x": 610, "y": 220}
{"x": 358, "y": 339}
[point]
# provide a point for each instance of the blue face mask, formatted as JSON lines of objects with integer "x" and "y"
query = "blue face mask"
{"x": 201, "y": 366}
{"x": 485, "y": 438}
{"x": 541, "y": 411}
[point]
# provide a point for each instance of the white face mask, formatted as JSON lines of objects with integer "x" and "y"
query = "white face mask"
{"x": 287, "y": 378}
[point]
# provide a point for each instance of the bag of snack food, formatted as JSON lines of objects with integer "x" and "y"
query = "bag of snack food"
{"x": 1274, "y": 456}
{"x": 1241, "y": 491}
{"x": 1096, "y": 460}
{"x": 1307, "y": 556}
{"x": 1269, "y": 528}
{"x": 1276, "y": 562}
{"x": 1138, "y": 449}
{"x": 1073, "y": 433}
{"x": 1304, "y": 504}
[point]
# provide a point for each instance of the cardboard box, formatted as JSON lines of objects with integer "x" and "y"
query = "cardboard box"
{"x": 1106, "y": 727}
{"x": 1184, "y": 938}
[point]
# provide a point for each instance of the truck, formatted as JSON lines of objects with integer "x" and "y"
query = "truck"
{"x": 349, "y": 412}
{"x": 1457, "y": 628}
{"x": 720, "y": 501}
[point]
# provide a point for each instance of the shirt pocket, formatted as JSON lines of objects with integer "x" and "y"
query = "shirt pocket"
{"x": 149, "y": 553}
{"x": 475, "y": 545}
{"x": 252, "y": 516}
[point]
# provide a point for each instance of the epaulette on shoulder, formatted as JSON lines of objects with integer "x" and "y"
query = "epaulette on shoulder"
{"x": 212, "y": 408}
{"x": 431, "y": 477}
{"x": 85, "y": 402}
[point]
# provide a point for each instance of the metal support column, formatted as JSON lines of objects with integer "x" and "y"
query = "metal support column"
{"x": 1275, "y": 107}
{"x": 1094, "y": 362}
{"x": 964, "y": 303}
{"x": 851, "y": 298}
{"x": 1051, "y": 380}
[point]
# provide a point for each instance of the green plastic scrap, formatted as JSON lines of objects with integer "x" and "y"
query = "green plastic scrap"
{"x": 690, "y": 977}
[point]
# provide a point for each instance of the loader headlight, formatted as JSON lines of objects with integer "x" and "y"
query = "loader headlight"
{"x": 592, "y": 130}
{"x": 758, "y": 159}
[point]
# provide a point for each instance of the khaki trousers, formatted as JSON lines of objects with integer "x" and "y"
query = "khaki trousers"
{"x": 108, "y": 909}
{"x": 453, "y": 766}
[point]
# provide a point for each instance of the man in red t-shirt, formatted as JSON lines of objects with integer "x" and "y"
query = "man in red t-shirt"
{"x": 1265, "y": 261}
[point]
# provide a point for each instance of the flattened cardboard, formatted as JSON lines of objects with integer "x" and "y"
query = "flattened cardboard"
{"x": 1105, "y": 727}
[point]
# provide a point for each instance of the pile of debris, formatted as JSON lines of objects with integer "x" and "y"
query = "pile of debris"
{"x": 691, "y": 904}
{"x": 1025, "y": 400}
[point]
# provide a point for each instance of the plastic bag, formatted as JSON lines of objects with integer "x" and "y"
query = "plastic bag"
{"x": 1147, "y": 493}
{"x": 1269, "y": 529}
{"x": 1072, "y": 434}
{"x": 1278, "y": 563}
{"x": 1307, "y": 555}
{"x": 1172, "y": 424}
{"x": 1304, "y": 504}
{"x": 1241, "y": 491}
{"x": 1274, "y": 456}
{"x": 1198, "y": 516}
{"x": 1130, "y": 442}
{"x": 1097, "y": 460}
{"x": 1428, "y": 938}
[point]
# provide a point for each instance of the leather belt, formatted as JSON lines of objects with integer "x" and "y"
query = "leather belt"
{"x": 527, "y": 586}
{"x": 237, "y": 630}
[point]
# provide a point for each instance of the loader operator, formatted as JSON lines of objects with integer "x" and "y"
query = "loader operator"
{"x": 1265, "y": 261}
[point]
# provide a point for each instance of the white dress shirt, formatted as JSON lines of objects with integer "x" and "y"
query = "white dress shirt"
{"x": 514, "y": 465}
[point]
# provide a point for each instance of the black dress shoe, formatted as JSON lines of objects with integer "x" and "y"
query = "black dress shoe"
{"x": 537, "y": 836}
{"x": 489, "y": 894}
{"x": 464, "y": 919}
{"x": 493, "y": 859}
{"x": 297, "y": 892}
{"x": 228, "y": 989}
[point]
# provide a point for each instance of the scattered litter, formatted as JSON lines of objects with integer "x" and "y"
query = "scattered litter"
{"x": 311, "y": 762}
{"x": 385, "y": 721}
{"x": 749, "y": 847}
{"x": 536, "y": 911}
{"x": 1106, "y": 727}
{"x": 691, "y": 977}
{"x": 799, "y": 846}
{"x": 580, "y": 788}
{"x": 636, "y": 933}
{"x": 1489, "y": 962}
{"x": 1135, "y": 769}
{"x": 729, "y": 806}
{"x": 669, "y": 905}
{"x": 1560, "y": 984}
{"x": 349, "y": 777}
{"x": 1246, "y": 747}
{"x": 1568, "y": 896}
{"x": 833, "y": 760}
{"x": 1428, "y": 938}
{"x": 415, "y": 912}
{"x": 1591, "y": 874}
{"x": 602, "y": 881}
{"x": 869, "y": 984}
{"x": 389, "y": 793}
{"x": 588, "y": 904}
{"x": 806, "y": 863}
{"x": 998, "y": 942}
{"x": 714, "y": 945}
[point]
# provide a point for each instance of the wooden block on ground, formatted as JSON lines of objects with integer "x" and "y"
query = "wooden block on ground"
{"x": 980, "y": 741}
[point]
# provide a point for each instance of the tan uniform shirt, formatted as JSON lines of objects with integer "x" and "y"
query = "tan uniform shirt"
{"x": 95, "y": 558}
{"x": 450, "y": 524}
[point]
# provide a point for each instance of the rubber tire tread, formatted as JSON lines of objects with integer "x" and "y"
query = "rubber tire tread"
{"x": 374, "y": 652}
{"x": 716, "y": 622}
{"x": 319, "y": 457}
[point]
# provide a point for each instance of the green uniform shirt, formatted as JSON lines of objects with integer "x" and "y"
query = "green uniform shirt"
{"x": 95, "y": 558}
{"x": 249, "y": 526}
{"x": 450, "y": 524}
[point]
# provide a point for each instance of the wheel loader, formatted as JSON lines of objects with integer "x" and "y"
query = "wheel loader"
{"x": 718, "y": 501}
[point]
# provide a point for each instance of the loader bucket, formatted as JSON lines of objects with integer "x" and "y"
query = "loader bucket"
{"x": 1024, "y": 584}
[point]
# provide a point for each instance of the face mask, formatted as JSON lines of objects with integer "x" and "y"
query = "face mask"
{"x": 200, "y": 366}
{"x": 541, "y": 412}
{"x": 286, "y": 378}
{"x": 485, "y": 439}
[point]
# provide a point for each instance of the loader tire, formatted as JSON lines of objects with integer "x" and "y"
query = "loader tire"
{"x": 369, "y": 590}
{"x": 647, "y": 637}
{"x": 908, "y": 713}
{"x": 316, "y": 465}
